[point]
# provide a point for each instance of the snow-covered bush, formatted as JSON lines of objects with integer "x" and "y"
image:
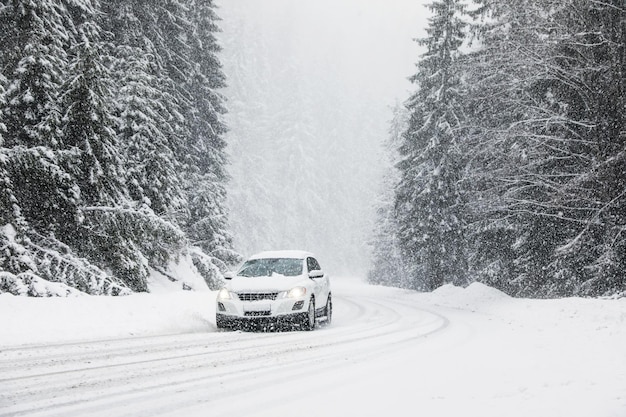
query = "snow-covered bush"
{"x": 208, "y": 269}
{"x": 42, "y": 266}
{"x": 28, "y": 284}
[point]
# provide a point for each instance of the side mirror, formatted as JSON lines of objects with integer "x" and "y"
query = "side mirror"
{"x": 316, "y": 273}
{"x": 229, "y": 275}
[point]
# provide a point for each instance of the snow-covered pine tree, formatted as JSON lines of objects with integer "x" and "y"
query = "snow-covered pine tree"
{"x": 143, "y": 114}
{"x": 429, "y": 200}
{"x": 152, "y": 170}
{"x": 13, "y": 256}
{"x": 178, "y": 95}
{"x": 88, "y": 125}
{"x": 550, "y": 134}
{"x": 206, "y": 158}
{"x": 38, "y": 197}
{"x": 100, "y": 168}
{"x": 150, "y": 46}
{"x": 589, "y": 58}
{"x": 167, "y": 26}
{"x": 96, "y": 163}
{"x": 499, "y": 108}
{"x": 116, "y": 233}
{"x": 206, "y": 143}
{"x": 34, "y": 38}
{"x": 387, "y": 263}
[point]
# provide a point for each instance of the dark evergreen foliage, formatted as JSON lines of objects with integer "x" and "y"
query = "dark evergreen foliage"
{"x": 429, "y": 203}
{"x": 110, "y": 122}
{"x": 551, "y": 145}
{"x": 206, "y": 176}
{"x": 538, "y": 107}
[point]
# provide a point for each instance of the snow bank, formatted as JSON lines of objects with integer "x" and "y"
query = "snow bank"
{"x": 475, "y": 296}
{"x": 167, "y": 309}
{"x": 571, "y": 314}
{"x": 27, "y": 320}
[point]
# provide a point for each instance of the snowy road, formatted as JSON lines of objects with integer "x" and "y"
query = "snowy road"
{"x": 388, "y": 351}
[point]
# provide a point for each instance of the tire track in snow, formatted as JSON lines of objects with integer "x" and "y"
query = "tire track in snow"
{"x": 364, "y": 327}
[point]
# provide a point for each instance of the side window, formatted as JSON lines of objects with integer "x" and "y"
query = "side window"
{"x": 312, "y": 264}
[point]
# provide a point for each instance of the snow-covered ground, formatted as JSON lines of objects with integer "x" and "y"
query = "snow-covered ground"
{"x": 454, "y": 352}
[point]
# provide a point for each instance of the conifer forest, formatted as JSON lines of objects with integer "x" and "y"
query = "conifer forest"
{"x": 112, "y": 158}
{"x": 510, "y": 159}
{"x": 506, "y": 166}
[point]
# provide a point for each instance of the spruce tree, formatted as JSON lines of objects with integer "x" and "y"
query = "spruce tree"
{"x": 12, "y": 258}
{"x": 152, "y": 170}
{"x": 429, "y": 200}
{"x": 88, "y": 125}
{"x": 590, "y": 55}
{"x": 143, "y": 115}
{"x": 546, "y": 105}
{"x": 508, "y": 242}
{"x": 96, "y": 166}
{"x": 35, "y": 37}
{"x": 170, "y": 115}
{"x": 206, "y": 176}
{"x": 387, "y": 264}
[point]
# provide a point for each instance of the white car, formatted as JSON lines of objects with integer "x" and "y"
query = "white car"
{"x": 275, "y": 290}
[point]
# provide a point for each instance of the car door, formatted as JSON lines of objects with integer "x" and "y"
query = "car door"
{"x": 321, "y": 285}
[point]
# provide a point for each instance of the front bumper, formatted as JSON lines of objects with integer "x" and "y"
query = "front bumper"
{"x": 226, "y": 321}
{"x": 286, "y": 312}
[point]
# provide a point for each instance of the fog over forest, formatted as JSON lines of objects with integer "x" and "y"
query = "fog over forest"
{"x": 310, "y": 96}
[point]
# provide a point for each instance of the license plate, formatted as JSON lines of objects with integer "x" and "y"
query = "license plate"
{"x": 257, "y": 307}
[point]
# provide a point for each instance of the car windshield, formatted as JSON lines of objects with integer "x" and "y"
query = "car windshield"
{"x": 268, "y": 266}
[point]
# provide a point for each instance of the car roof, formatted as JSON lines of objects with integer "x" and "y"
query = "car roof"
{"x": 295, "y": 254}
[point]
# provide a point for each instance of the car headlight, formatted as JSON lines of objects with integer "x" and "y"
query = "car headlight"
{"x": 296, "y": 292}
{"x": 224, "y": 294}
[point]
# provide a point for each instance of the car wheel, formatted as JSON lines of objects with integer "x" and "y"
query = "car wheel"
{"x": 310, "y": 317}
{"x": 219, "y": 323}
{"x": 329, "y": 310}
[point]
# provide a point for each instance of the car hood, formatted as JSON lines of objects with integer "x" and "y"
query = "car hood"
{"x": 275, "y": 283}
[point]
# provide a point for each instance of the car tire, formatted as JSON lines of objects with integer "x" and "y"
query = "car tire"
{"x": 219, "y": 323}
{"x": 309, "y": 323}
{"x": 329, "y": 310}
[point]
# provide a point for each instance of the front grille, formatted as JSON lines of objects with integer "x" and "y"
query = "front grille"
{"x": 254, "y": 296}
{"x": 257, "y": 313}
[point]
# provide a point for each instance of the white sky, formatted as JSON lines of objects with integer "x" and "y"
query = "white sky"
{"x": 364, "y": 43}
{"x": 349, "y": 61}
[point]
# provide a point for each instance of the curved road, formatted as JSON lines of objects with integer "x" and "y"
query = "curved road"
{"x": 221, "y": 373}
